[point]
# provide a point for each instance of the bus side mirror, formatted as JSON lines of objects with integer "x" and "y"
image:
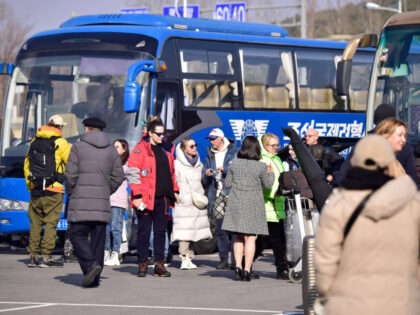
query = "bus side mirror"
{"x": 6, "y": 68}
{"x": 343, "y": 77}
{"x": 132, "y": 90}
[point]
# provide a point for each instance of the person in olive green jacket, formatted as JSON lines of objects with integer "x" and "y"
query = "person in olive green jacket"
{"x": 274, "y": 205}
{"x": 45, "y": 205}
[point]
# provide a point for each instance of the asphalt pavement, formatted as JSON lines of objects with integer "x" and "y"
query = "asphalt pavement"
{"x": 204, "y": 290}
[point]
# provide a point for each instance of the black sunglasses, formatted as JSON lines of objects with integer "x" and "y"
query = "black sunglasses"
{"x": 159, "y": 134}
{"x": 193, "y": 146}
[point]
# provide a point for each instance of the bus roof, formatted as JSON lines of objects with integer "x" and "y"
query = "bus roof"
{"x": 412, "y": 17}
{"x": 195, "y": 24}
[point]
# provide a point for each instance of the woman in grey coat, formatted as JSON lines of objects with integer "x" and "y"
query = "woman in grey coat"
{"x": 245, "y": 213}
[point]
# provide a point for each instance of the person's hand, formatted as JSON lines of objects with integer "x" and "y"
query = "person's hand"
{"x": 269, "y": 168}
{"x": 177, "y": 197}
{"x": 220, "y": 169}
{"x": 209, "y": 172}
{"x": 137, "y": 203}
{"x": 329, "y": 178}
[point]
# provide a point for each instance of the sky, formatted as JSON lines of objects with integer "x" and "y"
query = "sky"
{"x": 49, "y": 14}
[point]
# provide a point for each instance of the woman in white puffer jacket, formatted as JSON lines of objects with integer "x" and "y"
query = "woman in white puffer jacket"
{"x": 190, "y": 224}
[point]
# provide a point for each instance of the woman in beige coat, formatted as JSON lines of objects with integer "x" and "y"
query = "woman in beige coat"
{"x": 374, "y": 269}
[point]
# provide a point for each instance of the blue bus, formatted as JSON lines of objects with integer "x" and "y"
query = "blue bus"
{"x": 196, "y": 74}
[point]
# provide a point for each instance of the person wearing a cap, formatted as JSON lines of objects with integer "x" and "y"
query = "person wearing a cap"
{"x": 372, "y": 268}
{"x": 219, "y": 155}
{"x": 405, "y": 156}
{"x": 45, "y": 205}
{"x": 93, "y": 173}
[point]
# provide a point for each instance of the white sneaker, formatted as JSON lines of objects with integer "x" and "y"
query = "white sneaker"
{"x": 112, "y": 260}
{"x": 106, "y": 255}
{"x": 184, "y": 263}
{"x": 191, "y": 265}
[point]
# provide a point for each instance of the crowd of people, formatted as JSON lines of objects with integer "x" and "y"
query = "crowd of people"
{"x": 168, "y": 182}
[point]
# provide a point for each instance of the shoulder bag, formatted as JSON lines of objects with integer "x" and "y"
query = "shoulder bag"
{"x": 199, "y": 200}
{"x": 220, "y": 202}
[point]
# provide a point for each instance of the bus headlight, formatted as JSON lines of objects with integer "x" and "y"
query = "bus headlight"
{"x": 8, "y": 204}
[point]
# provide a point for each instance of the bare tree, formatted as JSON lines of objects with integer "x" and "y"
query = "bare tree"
{"x": 13, "y": 33}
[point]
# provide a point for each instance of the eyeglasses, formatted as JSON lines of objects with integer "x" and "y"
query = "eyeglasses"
{"x": 193, "y": 146}
{"x": 274, "y": 145}
{"x": 159, "y": 134}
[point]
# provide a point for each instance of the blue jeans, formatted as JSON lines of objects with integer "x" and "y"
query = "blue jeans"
{"x": 117, "y": 228}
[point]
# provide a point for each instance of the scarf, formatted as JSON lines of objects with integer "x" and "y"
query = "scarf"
{"x": 193, "y": 160}
{"x": 358, "y": 178}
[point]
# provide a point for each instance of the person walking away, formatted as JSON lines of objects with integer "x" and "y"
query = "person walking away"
{"x": 216, "y": 164}
{"x": 370, "y": 266}
{"x": 275, "y": 205}
{"x": 93, "y": 173}
{"x": 119, "y": 204}
{"x": 151, "y": 177}
{"x": 44, "y": 168}
{"x": 190, "y": 223}
{"x": 245, "y": 214}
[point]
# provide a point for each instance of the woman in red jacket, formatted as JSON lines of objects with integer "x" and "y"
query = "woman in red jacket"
{"x": 153, "y": 189}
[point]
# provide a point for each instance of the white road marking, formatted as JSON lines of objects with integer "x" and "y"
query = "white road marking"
{"x": 25, "y": 307}
{"x": 38, "y": 304}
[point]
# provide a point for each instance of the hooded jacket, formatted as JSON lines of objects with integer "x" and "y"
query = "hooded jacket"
{"x": 274, "y": 205}
{"x": 93, "y": 173}
{"x": 61, "y": 155}
{"x": 189, "y": 222}
{"x": 209, "y": 182}
{"x": 375, "y": 270}
{"x": 142, "y": 171}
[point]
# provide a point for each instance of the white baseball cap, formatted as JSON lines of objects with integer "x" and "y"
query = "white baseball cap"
{"x": 215, "y": 133}
{"x": 57, "y": 120}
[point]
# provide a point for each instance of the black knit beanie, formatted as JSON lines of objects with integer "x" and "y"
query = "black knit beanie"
{"x": 382, "y": 112}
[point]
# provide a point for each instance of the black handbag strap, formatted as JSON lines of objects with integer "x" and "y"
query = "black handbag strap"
{"x": 355, "y": 215}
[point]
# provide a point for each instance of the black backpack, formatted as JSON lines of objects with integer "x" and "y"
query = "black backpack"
{"x": 42, "y": 166}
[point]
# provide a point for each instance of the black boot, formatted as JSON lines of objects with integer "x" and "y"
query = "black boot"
{"x": 223, "y": 264}
{"x": 282, "y": 274}
{"x": 142, "y": 269}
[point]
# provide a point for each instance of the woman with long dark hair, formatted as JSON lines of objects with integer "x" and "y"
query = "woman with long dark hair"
{"x": 245, "y": 213}
{"x": 119, "y": 204}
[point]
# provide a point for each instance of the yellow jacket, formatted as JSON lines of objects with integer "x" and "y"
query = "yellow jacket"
{"x": 61, "y": 155}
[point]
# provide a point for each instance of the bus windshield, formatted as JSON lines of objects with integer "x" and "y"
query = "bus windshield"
{"x": 396, "y": 77}
{"x": 75, "y": 86}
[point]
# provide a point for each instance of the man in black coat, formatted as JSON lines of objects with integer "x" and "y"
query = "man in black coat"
{"x": 93, "y": 173}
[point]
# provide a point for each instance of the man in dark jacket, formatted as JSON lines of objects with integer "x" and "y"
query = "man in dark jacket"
{"x": 93, "y": 173}
{"x": 221, "y": 152}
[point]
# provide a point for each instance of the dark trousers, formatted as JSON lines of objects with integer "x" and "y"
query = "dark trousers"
{"x": 158, "y": 217}
{"x": 278, "y": 244}
{"x": 88, "y": 251}
{"x": 224, "y": 244}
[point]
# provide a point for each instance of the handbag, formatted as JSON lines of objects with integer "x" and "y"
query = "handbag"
{"x": 199, "y": 200}
{"x": 219, "y": 205}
